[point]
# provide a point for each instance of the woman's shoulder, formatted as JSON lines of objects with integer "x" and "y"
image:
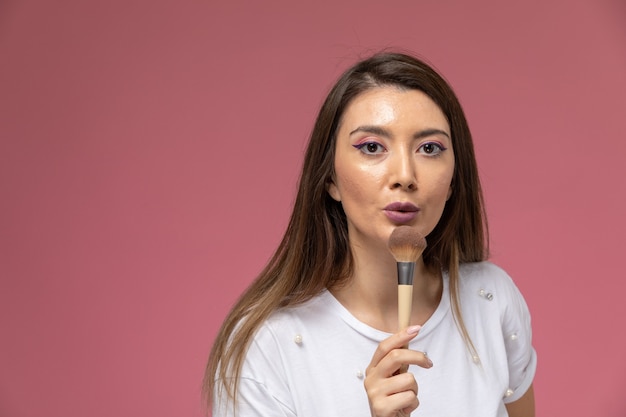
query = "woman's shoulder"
{"x": 280, "y": 339}
{"x": 484, "y": 272}
{"x": 308, "y": 314}
{"x": 488, "y": 279}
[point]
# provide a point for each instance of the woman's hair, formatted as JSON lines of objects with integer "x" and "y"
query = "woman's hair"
{"x": 314, "y": 253}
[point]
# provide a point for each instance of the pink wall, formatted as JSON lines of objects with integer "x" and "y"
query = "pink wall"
{"x": 149, "y": 153}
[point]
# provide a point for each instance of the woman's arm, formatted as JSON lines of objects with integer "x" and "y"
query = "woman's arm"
{"x": 524, "y": 407}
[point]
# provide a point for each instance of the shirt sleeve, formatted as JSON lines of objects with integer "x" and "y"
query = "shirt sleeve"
{"x": 521, "y": 356}
{"x": 262, "y": 389}
{"x": 253, "y": 400}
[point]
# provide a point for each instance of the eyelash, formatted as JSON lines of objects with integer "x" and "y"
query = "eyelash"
{"x": 437, "y": 145}
{"x": 361, "y": 146}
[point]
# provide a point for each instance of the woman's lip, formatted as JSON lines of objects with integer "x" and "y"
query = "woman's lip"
{"x": 401, "y": 212}
{"x": 401, "y": 206}
{"x": 400, "y": 216}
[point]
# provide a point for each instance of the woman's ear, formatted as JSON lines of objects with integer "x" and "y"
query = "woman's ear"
{"x": 332, "y": 189}
{"x": 450, "y": 191}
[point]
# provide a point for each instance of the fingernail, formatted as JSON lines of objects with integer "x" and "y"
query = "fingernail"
{"x": 428, "y": 361}
{"x": 413, "y": 329}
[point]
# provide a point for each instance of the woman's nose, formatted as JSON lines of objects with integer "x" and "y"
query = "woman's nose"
{"x": 402, "y": 170}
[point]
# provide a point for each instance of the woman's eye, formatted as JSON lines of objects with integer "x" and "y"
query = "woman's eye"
{"x": 370, "y": 148}
{"x": 431, "y": 148}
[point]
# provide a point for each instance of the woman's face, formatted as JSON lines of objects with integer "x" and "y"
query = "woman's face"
{"x": 393, "y": 164}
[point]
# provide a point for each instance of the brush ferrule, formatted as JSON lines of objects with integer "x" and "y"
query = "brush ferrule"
{"x": 405, "y": 273}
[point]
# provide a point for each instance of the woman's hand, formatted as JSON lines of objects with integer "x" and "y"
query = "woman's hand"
{"x": 393, "y": 394}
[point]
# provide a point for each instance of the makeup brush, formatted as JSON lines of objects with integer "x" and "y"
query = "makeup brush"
{"x": 406, "y": 245}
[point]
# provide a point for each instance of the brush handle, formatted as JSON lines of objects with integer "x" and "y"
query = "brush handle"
{"x": 405, "y": 302}
{"x": 405, "y": 293}
{"x": 405, "y": 298}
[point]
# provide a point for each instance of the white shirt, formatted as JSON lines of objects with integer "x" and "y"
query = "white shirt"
{"x": 310, "y": 360}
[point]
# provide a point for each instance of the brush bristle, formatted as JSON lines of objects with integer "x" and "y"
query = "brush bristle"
{"x": 406, "y": 244}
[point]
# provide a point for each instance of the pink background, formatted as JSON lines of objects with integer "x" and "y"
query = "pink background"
{"x": 149, "y": 153}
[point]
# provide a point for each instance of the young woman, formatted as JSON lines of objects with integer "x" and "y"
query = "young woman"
{"x": 316, "y": 334}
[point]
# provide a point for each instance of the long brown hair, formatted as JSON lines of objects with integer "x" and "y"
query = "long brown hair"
{"x": 314, "y": 253}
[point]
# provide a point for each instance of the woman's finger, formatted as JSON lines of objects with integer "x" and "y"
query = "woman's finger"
{"x": 395, "y": 341}
{"x": 394, "y": 360}
{"x": 390, "y": 396}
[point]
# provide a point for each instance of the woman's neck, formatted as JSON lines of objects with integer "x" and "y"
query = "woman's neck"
{"x": 371, "y": 293}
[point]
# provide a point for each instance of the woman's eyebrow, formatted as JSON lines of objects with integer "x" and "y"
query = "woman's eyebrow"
{"x": 381, "y": 131}
{"x": 430, "y": 132}
{"x": 375, "y": 130}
